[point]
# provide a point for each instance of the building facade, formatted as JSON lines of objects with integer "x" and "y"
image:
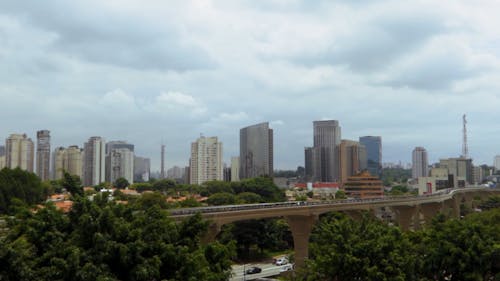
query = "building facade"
{"x": 206, "y": 160}
{"x": 19, "y": 152}
{"x": 43, "y": 154}
{"x": 364, "y": 185}
{"x": 94, "y": 161}
{"x": 419, "y": 162}
{"x": 373, "y": 146}
{"x": 496, "y": 162}
{"x": 256, "y": 151}
{"x": 120, "y": 164}
{"x": 321, "y": 160}
{"x": 235, "y": 168}
{"x": 351, "y": 159}
{"x": 458, "y": 168}
{"x": 142, "y": 169}
{"x": 2, "y": 157}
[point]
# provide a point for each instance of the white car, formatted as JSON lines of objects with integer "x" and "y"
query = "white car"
{"x": 286, "y": 267}
{"x": 281, "y": 261}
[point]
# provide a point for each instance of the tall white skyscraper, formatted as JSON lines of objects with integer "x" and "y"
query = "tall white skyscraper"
{"x": 419, "y": 162}
{"x": 43, "y": 154}
{"x": 19, "y": 152}
{"x": 206, "y": 160}
{"x": 94, "y": 161}
{"x": 120, "y": 163}
{"x": 496, "y": 162}
{"x": 235, "y": 168}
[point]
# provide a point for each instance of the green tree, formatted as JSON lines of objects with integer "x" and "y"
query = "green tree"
{"x": 121, "y": 183}
{"x": 72, "y": 184}
{"x": 343, "y": 249}
{"x": 248, "y": 198}
{"x": 221, "y": 198}
{"x": 20, "y": 184}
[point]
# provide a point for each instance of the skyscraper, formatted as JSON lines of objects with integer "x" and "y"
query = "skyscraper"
{"x": 19, "y": 152}
{"x": 496, "y": 162}
{"x": 256, "y": 151}
{"x": 321, "y": 160}
{"x": 419, "y": 162}
{"x": 94, "y": 161}
{"x": 2, "y": 157}
{"x": 43, "y": 154}
{"x": 373, "y": 146}
{"x": 352, "y": 159}
{"x": 119, "y": 161}
{"x": 235, "y": 168}
{"x": 68, "y": 160}
{"x": 142, "y": 169}
{"x": 206, "y": 160}
{"x": 120, "y": 164}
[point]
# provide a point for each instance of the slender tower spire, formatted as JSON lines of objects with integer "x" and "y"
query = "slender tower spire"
{"x": 465, "y": 149}
{"x": 162, "y": 172}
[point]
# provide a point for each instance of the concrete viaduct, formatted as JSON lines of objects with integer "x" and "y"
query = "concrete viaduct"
{"x": 410, "y": 212}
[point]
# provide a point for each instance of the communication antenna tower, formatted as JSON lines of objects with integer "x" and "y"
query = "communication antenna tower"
{"x": 162, "y": 172}
{"x": 465, "y": 148}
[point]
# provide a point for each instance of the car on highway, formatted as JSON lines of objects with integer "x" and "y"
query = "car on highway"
{"x": 287, "y": 267}
{"x": 281, "y": 261}
{"x": 253, "y": 270}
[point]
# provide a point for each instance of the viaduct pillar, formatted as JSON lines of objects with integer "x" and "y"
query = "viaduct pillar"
{"x": 430, "y": 210}
{"x": 405, "y": 215}
{"x": 212, "y": 231}
{"x": 301, "y": 227}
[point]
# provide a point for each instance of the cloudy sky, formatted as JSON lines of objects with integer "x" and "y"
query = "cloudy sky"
{"x": 167, "y": 71}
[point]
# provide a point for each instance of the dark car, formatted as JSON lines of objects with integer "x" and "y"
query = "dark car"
{"x": 253, "y": 270}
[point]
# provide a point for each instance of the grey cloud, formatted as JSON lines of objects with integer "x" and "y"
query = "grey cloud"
{"x": 103, "y": 36}
{"x": 378, "y": 42}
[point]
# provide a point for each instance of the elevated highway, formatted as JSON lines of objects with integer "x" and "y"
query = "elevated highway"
{"x": 410, "y": 211}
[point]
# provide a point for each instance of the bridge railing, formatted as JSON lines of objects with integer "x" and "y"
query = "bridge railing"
{"x": 295, "y": 204}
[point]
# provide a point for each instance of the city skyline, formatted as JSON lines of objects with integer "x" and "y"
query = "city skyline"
{"x": 166, "y": 72}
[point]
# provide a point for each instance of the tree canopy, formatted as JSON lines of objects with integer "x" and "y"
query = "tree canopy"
{"x": 21, "y": 185}
{"x": 107, "y": 241}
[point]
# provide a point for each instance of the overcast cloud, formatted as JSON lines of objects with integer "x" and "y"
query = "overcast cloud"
{"x": 152, "y": 72}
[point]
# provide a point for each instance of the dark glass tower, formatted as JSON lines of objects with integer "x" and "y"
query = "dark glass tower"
{"x": 373, "y": 146}
{"x": 256, "y": 151}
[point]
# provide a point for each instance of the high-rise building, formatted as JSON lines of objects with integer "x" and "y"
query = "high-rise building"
{"x": 256, "y": 151}
{"x": 496, "y": 162}
{"x": 119, "y": 161}
{"x": 19, "y": 152}
{"x": 58, "y": 163}
{"x": 373, "y": 146}
{"x": 419, "y": 163}
{"x": 364, "y": 185}
{"x": 206, "y": 160}
{"x": 118, "y": 144}
{"x": 162, "y": 168}
{"x": 43, "y": 154}
{"x": 458, "y": 168}
{"x": 142, "y": 169}
{"x": 175, "y": 172}
{"x": 69, "y": 160}
{"x": 352, "y": 159}
{"x": 120, "y": 164}
{"x": 321, "y": 160}
{"x": 235, "y": 168}
{"x": 2, "y": 157}
{"x": 94, "y": 161}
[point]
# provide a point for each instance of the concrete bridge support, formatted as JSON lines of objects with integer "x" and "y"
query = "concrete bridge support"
{"x": 211, "y": 234}
{"x": 405, "y": 216}
{"x": 301, "y": 227}
{"x": 451, "y": 207}
{"x": 430, "y": 210}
